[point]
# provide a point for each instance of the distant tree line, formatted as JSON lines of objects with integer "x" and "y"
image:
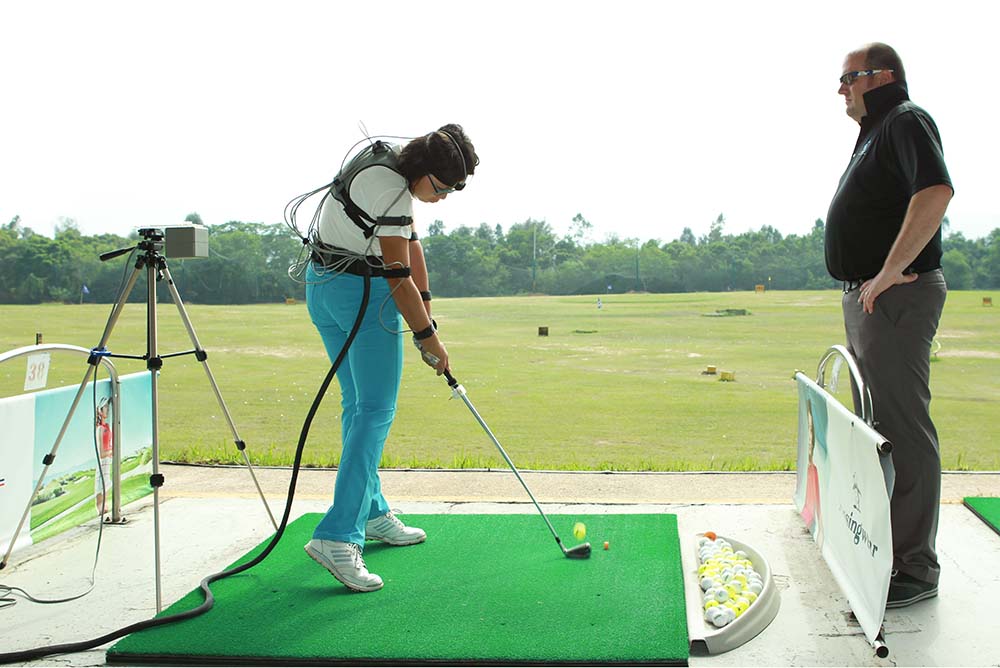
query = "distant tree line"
{"x": 248, "y": 263}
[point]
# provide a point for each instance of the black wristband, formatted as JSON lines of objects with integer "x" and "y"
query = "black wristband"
{"x": 426, "y": 333}
{"x": 425, "y": 295}
{"x": 414, "y": 237}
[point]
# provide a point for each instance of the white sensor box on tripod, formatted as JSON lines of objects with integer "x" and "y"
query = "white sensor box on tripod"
{"x": 186, "y": 241}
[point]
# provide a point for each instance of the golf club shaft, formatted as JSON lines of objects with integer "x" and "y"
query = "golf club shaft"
{"x": 455, "y": 386}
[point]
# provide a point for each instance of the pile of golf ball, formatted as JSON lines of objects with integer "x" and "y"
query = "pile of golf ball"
{"x": 728, "y": 580}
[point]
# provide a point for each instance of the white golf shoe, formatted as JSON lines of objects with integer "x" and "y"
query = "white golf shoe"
{"x": 389, "y": 529}
{"x": 345, "y": 562}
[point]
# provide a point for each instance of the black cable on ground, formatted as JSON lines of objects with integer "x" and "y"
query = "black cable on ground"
{"x": 39, "y": 652}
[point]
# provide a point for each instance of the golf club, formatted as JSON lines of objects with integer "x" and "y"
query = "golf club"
{"x": 581, "y": 551}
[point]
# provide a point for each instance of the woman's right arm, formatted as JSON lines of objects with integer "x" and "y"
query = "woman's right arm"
{"x": 396, "y": 253}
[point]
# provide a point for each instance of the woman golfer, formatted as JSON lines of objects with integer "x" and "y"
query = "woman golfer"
{"x": 366, "y": 226}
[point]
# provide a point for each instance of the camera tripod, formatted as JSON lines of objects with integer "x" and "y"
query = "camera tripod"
{"x": 152, "y": 260}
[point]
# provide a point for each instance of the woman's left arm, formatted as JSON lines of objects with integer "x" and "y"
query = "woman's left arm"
{"x": 418, "y": 271}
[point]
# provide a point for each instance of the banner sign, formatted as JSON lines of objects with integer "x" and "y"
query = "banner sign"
{"x": 17, "y": 438}
{"x": 842, "y": 497}
{"x": 79, "y": 480}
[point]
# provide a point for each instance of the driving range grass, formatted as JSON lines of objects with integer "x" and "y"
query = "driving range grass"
{"x": 618, "y": 388}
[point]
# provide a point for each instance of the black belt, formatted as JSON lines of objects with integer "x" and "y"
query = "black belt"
{"x": 358, "y": 267}
{"x": 371, "y": 265}
{"x": 853, "y": 285}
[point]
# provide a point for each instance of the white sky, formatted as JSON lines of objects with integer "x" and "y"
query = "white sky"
{"x": 645, "y": 117}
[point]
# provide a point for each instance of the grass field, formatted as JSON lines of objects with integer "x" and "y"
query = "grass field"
{"x": 617, "y": 388}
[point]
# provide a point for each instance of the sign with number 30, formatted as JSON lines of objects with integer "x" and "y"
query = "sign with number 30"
{"x": 37, "y": 374}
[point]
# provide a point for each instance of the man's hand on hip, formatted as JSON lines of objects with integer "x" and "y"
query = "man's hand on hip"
{"x": 873, "y": 287}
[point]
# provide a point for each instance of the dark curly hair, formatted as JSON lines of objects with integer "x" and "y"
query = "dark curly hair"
{"x": 438, "y": 153}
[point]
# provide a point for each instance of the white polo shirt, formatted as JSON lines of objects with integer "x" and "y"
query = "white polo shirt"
{"x": 381, "y": 193}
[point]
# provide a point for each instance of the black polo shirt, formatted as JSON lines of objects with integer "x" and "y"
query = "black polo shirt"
{"x": 898, "y": 153}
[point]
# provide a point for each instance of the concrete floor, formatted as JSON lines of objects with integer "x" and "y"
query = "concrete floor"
{"x": 209, "y": 517}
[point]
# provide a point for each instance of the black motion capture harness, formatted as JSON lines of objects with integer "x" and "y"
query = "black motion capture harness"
{"x": 376, "y": 154}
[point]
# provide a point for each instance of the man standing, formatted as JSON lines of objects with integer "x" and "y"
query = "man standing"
{"x": 883, "y": 240}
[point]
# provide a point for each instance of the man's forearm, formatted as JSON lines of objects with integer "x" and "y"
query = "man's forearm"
{"x": 923, "y": 217}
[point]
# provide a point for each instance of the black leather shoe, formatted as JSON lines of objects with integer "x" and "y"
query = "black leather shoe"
{"x": 905, "y": 590}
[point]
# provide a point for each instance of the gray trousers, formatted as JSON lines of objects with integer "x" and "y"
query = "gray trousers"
{"x": 892, "y": 347}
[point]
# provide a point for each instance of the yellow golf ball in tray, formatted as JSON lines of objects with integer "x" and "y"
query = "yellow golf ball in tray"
{"x": 579, "y": 530}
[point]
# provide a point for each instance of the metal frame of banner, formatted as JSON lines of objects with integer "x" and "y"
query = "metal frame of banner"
{"x": 116, "y": 516}
{"x": 868, "y": 415}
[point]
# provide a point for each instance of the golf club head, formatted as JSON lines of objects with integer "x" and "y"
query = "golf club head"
{"x": 581, "y": 551}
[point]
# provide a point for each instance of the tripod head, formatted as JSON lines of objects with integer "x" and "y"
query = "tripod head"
{"x": 151, "y": 243}
{"x": 152, "y": 238}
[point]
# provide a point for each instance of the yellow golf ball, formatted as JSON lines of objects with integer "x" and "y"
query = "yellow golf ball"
{"x": 579, "y": 530}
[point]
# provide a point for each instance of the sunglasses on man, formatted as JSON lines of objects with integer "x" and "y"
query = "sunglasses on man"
{"x": 847, "y": 78}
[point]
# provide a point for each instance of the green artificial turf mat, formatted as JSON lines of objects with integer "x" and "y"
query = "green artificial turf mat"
{"x": 987, "y": 508}
{"x": 482, "y": 589}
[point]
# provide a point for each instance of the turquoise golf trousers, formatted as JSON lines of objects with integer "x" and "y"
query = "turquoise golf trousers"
{"x": 369, "y": 378}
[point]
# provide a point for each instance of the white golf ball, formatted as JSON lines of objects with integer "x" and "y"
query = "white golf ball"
{"x": 721, "y": 618}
